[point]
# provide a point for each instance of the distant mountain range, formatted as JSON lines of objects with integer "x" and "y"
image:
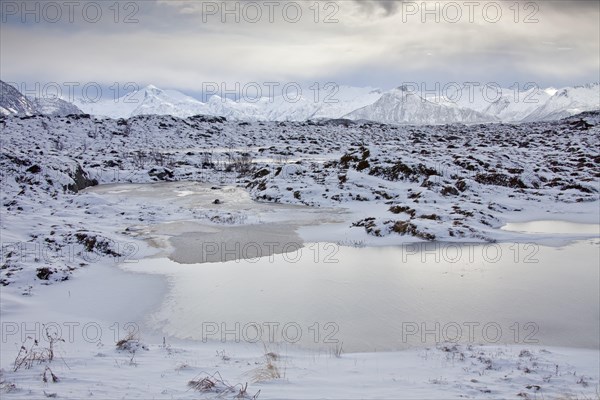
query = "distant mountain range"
{"x": 152, "y": 100}
{"x": 401, "y": 105}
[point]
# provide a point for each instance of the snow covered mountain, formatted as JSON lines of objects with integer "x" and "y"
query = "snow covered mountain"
{"x": 566, "y": 102}
{"x": 530, "y": 105}
{"x": 56, "y": 106}
{"x": 403, "y": 106}
{"x": 152, "y": 100}
{"x": 13, "y": 102}
{"x": 506, "y": 105}
{"x": 516, "y": 106}
{"x": 346, "y": 100}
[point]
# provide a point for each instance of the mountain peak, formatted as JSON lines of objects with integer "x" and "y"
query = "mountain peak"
{"x": 152, "y": 89}
{"x": 403, "y": 88}
{"x": 14, "y": 102}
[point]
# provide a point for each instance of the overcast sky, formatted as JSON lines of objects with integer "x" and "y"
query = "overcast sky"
{"x": 184, "y": 45}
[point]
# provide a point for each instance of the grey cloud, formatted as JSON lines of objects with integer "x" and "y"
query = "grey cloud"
{"x": 373, "y": 7}
{"x": 391, "y": 7}
{"x": 370, "y": 45}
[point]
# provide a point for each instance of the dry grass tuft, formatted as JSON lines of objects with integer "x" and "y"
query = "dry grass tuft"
{"x": 203, "y": 385}
{"x": 130, "y": 343}
{"x": 34, "y": 353}
{"x": 265, "y": 373}
{"x": 47, "y": 372}
{"x": 338, "y": 350}
{"x": 269, "y": 370}
{"x": 216, "y": 384}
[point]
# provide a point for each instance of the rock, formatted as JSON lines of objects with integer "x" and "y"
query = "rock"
{"x": 161, "y": 173}
{"x": 80, "y": 180}
{"x": 34, "y": 169}
{"x": 43, "y": 273}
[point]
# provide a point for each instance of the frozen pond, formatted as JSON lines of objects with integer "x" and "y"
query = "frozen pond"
{"x": 387, "y": 298}
{"x": 369, "y": 298}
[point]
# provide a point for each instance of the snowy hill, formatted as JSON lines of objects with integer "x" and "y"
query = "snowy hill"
{"x": 55, "y": 107}
{"x": 150, "y": 100}
{"x": 400, "y": 106}
{"x": 346, "y": 100}
{"x": 566, "y": 102}
{"x": 13, "y": 102}
{"x": 506, "y": 105}
{"x": 533, "y": 104}
{"x": 515, "y": 107}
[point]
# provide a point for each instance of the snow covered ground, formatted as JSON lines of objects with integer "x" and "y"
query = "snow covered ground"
{"x": 75, "y": 254}
{"x": 103, "y": 303}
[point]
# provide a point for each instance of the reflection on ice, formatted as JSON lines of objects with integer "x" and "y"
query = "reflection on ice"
{"x": 384, "y": 298}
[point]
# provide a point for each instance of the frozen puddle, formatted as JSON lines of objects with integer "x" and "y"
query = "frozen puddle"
{"x": 253, "y": 281}
{"x": 198, "y": 197}
{"x": 188, "y": 217}
{"x": 388, "y": 298}
{"x": 554, "y": 227}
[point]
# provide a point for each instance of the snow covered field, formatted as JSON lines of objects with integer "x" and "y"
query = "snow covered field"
{"x": 332, "y": 221}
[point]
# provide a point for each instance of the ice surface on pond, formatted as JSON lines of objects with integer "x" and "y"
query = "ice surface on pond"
{"x": 371, "y": 298}
{"x": 387, "y": 298}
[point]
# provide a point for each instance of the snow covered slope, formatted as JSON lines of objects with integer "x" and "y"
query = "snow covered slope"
{"x": 402, "y": 106}
{"x": 517, "y": 106}
{"x": 345, "y": 100}
{"x": 529, "y": 105}
{"x": 55, "y": 107}
{"x": 566, "y": 102}
{"x": 13, "y": 102}
{"x": 150, "y": 100}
